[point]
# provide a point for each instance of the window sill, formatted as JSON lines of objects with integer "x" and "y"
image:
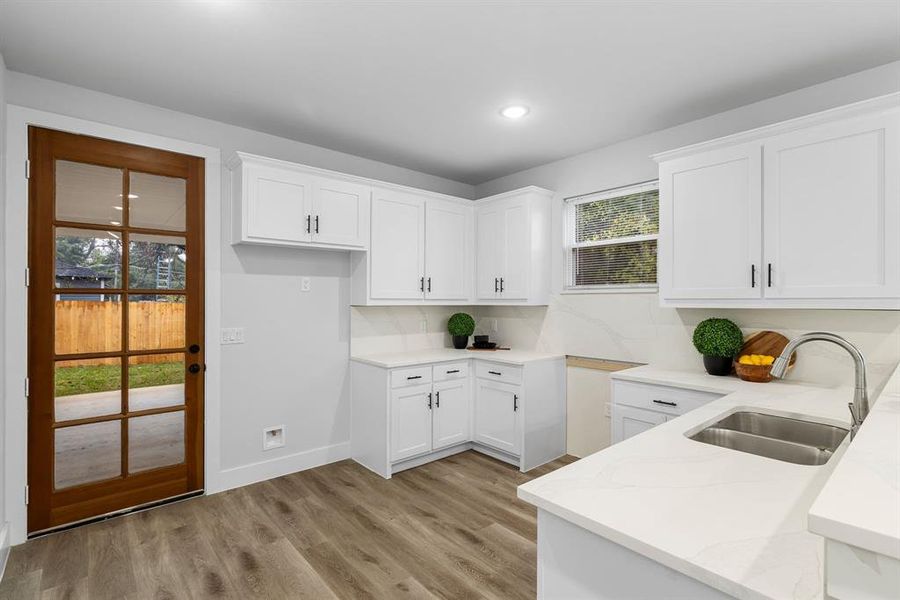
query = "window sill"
{"x": 610, "y": 290}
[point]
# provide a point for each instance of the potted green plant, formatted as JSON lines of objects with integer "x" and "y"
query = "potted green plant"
{"x": 718, "y": 340}
{"x": 461, "y": 326}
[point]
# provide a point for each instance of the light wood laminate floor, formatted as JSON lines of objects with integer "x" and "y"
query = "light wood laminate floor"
{"x": 449, "y": 529}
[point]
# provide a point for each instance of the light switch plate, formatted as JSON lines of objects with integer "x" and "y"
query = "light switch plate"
{"x": 305, "y": 284}
{"x": 232, "y": 335}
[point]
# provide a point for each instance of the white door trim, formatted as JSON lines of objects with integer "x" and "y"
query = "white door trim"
{"x": 15, "y": 240}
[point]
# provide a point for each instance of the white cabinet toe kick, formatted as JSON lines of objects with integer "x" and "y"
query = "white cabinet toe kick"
{"x": 407, "y": 416}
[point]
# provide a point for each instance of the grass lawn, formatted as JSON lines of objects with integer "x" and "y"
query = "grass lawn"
{"x": 103, "y": 378}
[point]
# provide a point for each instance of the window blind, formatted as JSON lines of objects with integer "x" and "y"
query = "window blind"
{"x": 611, "y": 237}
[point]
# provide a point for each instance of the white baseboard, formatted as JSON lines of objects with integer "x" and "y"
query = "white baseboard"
{"x": 283, "y": 465}
{"x": 4, "y": 549}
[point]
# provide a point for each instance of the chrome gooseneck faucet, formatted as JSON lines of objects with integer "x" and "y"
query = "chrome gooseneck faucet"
{"x": 859, "y": 408}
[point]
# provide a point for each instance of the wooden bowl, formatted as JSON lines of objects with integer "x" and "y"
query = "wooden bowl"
{"x": 754, "y": 373}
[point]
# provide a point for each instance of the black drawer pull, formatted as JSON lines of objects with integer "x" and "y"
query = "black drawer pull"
{"x": 495, "y": 372}
{"x": 665, "y": 402}
{"x": 415, "y": 377}
{"x": 453, "y": 371}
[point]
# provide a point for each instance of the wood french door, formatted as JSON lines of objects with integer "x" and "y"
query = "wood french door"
{"x": 115, "y": 327}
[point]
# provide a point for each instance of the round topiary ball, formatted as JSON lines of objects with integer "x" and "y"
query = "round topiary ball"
{"x": 718, "y": 337}
{"x": 461, "y": 324}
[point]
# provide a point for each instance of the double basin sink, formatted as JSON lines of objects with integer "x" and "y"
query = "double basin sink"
{"x": 772, "y": 436}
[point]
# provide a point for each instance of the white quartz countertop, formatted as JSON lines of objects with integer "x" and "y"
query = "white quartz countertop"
{"x": 735, "y": 521}
{"x": 434, "y": 355}
{"x": 860, "y": 503}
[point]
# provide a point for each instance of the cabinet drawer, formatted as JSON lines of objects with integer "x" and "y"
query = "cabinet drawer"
{"x": 498, "y": 372}
{"x": 410, "y": 376}
{"x": 445, "y": 372}
{"x": 660, "y": 398}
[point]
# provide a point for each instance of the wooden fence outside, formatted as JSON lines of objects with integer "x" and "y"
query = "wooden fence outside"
{"x": 84, "y": 326}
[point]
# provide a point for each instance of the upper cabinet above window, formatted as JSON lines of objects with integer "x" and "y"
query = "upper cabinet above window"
{"x": 803, "y": 214}
{"x": 278, "y": 203}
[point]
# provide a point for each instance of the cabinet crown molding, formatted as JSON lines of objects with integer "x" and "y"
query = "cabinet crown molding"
{"x": 532, "y": 189}
{"x": 865, "y": 107}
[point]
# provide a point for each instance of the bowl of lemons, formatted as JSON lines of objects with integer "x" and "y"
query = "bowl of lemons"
{"x": 754, "y": 367}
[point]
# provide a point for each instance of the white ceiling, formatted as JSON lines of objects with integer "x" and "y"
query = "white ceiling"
{"x": 419, "y": 84}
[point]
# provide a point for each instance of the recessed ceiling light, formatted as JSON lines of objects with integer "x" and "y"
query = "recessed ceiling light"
{"x": 516, "y": 111}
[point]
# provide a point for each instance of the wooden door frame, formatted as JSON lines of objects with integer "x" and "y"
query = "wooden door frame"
{"x": 15, "y": 310}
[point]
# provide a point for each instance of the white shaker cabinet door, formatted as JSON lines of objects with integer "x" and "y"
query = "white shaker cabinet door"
{"x": 397, "y": 247}
{"x": 278, "y": 204}
{"x": 710, "y": 223}
{"x": 340, "y": 212}
{"x": 488, "y": 243}
{"x": 410, "y": 422}
{"x": 451, "y": 413}
{"x": 447, "y": 250}
{"x": 497, "y": 415}
{"x": 515, "y": 251}
{"x": 628, "y": 421}
{"x": 832, "y": 210}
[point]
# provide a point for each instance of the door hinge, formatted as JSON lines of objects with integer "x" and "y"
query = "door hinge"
{"x": 27, "y": 386}
{"x": 27, "y": 169}
{"x": 26, "y": 495}
{"x": 27, "y": 276}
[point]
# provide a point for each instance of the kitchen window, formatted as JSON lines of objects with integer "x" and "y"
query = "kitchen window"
{"x": 611, "y": 239}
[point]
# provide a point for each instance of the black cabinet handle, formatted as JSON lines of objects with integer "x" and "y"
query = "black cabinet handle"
{"x": 769, "y": 284}
{"x": 495, "y": 372}
{"x": 496, "y": 285}
{"x": 429, "y": 400}
{"x": 308, "y": 221}
{"x": 421, "y": 284}
{"x": 665, "y": 402}
{"x": 414, "y": 377}
{"x": 501, "y": 285}
{"x": 753, "y": 276}
{"x": 453, "y": 371}
{"x": 317, "y": 223}
{"x": 437, "y": 399}
{"x": 515, "y": 403}
{"x": 194, "y": 368}
{"x": 429, "y": 284}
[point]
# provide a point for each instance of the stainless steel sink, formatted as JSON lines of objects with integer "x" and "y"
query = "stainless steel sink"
{"x": 781, "y": 438}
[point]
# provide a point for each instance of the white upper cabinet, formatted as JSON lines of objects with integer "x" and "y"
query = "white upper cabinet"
{"x": 512, "y": 264}
{"x": 278, "y": 203}
{"x": 832, "y": 205}
{"x": 397, "y": 251}
{"x": 716, "y": 196}
{"x": 802, "y": 214}
{"x": 448, "y": 250}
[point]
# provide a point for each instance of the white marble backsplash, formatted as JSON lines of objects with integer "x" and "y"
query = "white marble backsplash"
{"x": 633, "y": 327}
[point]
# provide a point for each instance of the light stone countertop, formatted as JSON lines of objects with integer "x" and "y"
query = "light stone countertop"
{"x": 435, "y": 355}
{"x": 735, "y": 521}
{"x": 860, "y": 503}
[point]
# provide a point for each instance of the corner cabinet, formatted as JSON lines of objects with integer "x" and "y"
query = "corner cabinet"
{"x": 512, "y": 247}
{"x": 407, "y": 416}
{"x": 277, "y": 203}
{"x": 802, "y": 214}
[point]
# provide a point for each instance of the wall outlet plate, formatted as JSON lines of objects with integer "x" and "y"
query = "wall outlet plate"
{"x": 232, "y": 335}
{"x": 273, "y": 437}
{"x": 305, "y": 284}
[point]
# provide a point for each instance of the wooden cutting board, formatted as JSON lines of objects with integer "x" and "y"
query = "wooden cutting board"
{"x": 769, "y": 343}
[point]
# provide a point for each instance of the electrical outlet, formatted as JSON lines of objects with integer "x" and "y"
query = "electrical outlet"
{"x": 494, "y": 328}
{"x": 423, "y": 325}
{"x": 232, "y": 335}
{"x": 606, "y": 410}
{"x": 273, "y": 437}
{"x": 305, "y": 284}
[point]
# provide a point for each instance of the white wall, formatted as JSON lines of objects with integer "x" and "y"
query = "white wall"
{"x": 4, "y": 541}
{"x": 292, "y": 370}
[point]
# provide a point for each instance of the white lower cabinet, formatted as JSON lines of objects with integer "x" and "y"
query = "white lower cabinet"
{"x": 637, "y": 407}
{"x": 497, "y": 422}
{"x": 404, "y": 417}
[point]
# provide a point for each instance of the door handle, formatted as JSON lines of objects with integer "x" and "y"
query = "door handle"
{"x": 665, "y": 403}
{"x": 414, "y": 377}
{"x": 753, "y": 276}
{"x": 429, "y": 284}
{"x": 194, "y": 368}
{"x": 496, "y": 285}
{"x": 501, "y": 285}
{"x": 429, "y": 400}
{"x": 453, "y": 371}
{"x": 437, "y": 399}
{"x": 317, "y": 223}
{"x": 515, "y": 403}
{"x": 421, "y": 284}
{"x": 769, "y": 268}
{"x": 495, "y": 373}
{"x": 308, "y": 221}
